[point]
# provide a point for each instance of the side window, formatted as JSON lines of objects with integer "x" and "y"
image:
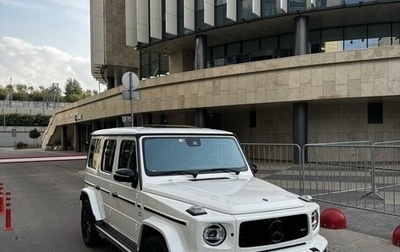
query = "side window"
{"x": 127, "y": 155}
{"x": 108, "y": 155}
{"x": 93, "y": 151}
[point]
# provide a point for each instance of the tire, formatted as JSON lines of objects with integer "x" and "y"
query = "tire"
{"x": 89, "y": 233}
{"x": 154, "y": 244}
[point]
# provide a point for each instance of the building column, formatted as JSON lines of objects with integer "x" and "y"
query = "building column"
{"x": 300, "y": 110}
{"x": 147, "y": 119}
{"x": 77, "y": 137}
{"x": 300, "y": 128}
{"x": 200, "y": 118}
{"x": 200, "y": 52}
{"x": 64, "y": 138}
{"x": 301, "y": 41}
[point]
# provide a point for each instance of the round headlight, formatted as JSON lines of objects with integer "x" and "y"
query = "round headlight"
{"x": 214, "y": 234}
{"x": 314, "y": 219}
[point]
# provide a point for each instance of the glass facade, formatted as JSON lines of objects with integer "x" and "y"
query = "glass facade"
{"x": 331, "y": 39}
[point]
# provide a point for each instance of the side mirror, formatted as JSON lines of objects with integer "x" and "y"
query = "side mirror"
{"x": 254, "y": 168}
{"x": 126, "y": 175}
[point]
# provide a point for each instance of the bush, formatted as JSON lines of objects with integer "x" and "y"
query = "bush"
{"x": 21, "y": 145}
{"x": 26, "y": 119}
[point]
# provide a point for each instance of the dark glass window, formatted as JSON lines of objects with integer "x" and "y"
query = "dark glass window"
{"x": 396, "y": 34}
{"x": 93, "y": 150}
{"x": 375, "y": 112}
{"x": 245, "y": 11}
{"x": 127, "y": 155}
{"x": 379, "y": 35}
{"x": 268, "y": 7}
{"x": 355, "y": 38}
{"x": 199, "y": 14}
{"x": 181, "y": 27}
{"x": 297, "y": 5}
{"x": 220, "y": 13}
{"x": 252, "y": 119}
{"x": 153, "y": 64}
{"x": 108, "y": 155}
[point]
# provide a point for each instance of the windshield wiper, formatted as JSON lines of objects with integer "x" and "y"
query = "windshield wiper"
{"x": 235, "y": 170}
{"x": 194, "y": 174}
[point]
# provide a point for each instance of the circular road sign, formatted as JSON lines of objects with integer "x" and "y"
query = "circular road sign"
{"x": 130, "y": 80}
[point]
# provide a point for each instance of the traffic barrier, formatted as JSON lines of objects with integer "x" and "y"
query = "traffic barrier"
{"x": 1, "y": 199}
{"x": 8, "y": 225}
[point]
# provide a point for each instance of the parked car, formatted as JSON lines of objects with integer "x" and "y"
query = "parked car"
{"x": 188, "y": 189}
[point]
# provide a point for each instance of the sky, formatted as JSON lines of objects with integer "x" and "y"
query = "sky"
{"x": 44, "y": 42}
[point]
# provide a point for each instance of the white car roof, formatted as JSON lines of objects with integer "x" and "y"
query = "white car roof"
{"x": 159, "y": 130}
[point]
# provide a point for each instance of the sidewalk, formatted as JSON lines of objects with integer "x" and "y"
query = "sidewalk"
{"x": 366, "y": 231}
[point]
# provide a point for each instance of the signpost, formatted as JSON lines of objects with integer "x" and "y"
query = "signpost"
{"x": 131, "y": 82}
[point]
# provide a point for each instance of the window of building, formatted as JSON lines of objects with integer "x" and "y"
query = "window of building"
{"x": 332, "y": 40}
{"x": 218, "y": 56}
{"x": 153, "y": 64}
{"x": 180, "y": 17}
{"x": 379, "y": 35}
{"x": 355, "y": 38}
{"x": 297, "y": 5}
{"x": 108, "y": 155}
{"x": 220, "y": 13}
{"x": 199, "y": 14}
{"x": 233, "y": 53}
{"x": 245, "y": 11}
{"x": 268, "y": 7}
{"x": 396, "y": 34}
{"x": 252, "y": 119}
{"x": 375, "y": 112}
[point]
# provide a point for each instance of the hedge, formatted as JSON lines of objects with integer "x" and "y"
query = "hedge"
{"x": 24, "y": 119}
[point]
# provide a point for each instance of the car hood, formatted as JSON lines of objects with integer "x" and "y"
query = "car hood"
{"x": 232, "y": 196}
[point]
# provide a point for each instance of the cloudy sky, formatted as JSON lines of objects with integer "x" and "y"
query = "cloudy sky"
{"x": 44, "y": 42}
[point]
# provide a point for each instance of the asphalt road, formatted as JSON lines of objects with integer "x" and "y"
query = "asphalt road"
{"x": 45, "y": 207}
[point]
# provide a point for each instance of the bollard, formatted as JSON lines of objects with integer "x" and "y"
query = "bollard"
{"x": 1, "y": 199}
{"x": 8, "y": 212}
{"x": 396, "y": 237}
{"x": 333, "y": 218}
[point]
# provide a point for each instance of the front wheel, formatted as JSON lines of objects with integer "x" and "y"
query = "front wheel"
{"x": 89, "y": 233}
{"x": 154, "y": 244}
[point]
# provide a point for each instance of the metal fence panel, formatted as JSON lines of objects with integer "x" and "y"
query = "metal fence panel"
{"x": 354, "y": 174}
{"x": 276, "y": 164}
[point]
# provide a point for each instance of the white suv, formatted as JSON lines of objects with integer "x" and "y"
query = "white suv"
{"x": 188, "y": 189}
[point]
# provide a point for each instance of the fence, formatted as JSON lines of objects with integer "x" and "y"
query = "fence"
{"x": 354, "y": 174}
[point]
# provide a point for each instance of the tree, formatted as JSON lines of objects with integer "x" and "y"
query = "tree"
{"x": 73, "y": 90}
{"x": 34, "y": 134}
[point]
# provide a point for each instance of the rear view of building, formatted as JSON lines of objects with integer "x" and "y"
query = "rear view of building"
{"x": 270, "y": 71}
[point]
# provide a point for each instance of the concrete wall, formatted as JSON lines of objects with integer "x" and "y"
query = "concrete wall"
{"x": 22, "y": 135}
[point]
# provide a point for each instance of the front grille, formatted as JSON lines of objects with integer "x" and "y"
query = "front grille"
{"x": 272, "y": 231}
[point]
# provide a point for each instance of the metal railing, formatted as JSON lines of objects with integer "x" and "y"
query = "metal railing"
{"x": 276, "y": 163}
{"x": 354, "y": 174}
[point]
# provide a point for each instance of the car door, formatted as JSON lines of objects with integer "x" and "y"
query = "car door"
{"x": 126, "y": 208}
{"x": 103, "y": 185}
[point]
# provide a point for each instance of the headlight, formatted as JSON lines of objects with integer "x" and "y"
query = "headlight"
{"x": 214, "y": 234}
{"x": 314, "y": 219}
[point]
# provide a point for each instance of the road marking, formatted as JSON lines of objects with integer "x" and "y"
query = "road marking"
{"x": 40, "y": 159}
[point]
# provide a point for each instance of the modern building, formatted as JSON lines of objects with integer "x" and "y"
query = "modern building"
{"x": 277, "y": 71}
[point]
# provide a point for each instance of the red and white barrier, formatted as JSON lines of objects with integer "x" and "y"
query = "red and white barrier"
{"x": 1, "y": 199}
{"x": 8, "y": 225}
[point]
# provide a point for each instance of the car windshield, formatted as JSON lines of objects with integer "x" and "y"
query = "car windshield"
{"x": 191, "y": 155}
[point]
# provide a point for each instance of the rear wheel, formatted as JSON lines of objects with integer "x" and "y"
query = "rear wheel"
{"x": 89, "y": 233}
{"x": 154, "y": 244}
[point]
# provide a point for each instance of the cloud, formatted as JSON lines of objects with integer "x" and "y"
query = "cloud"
{"x": 41, "y": 65}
